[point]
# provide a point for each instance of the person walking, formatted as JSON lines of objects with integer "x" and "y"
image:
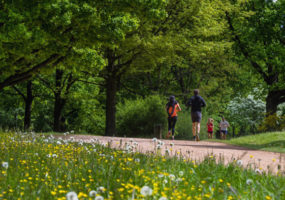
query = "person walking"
{"x": 224, "y": 128}
{"x": 196, "y": 103}
{"x": 172, "y": 108}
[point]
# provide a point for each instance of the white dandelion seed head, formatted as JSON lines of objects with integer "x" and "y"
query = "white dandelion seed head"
{"x": 167, "y": 151}
{"x": 72, "y": 131}
{"x": 171, "y": 177}
{"x": 165, "y": 181}
{"x": 92, "y": 140}
{"x": 181, "y": 173}
{"x": 179, "y": 180}
{"x": 258, "y": 171}
{"x": 71, "y": 196}
{"x": 54, "y": 155}
{"x": 154, "y": 139}
{"x": 58, "y": 142}
{"x": 162, "y": 198}
{"x": 101, "y": 189}
{"x": 92, "y": 193}
{"x": 137, "y": 160}
{"x": 135, "y": 143}
{"x": 160, "y": 175}
{"x": 249, "y": 181}
{"x": 48, "y": 155}
{"x": 5, "y": 165}
{"x": 172, "y": 144}
{"x": 158, "y": 146}
{"x": 146, "y": 191}
{"x": 239, "y": 162}
{"x": 99, "y": 198}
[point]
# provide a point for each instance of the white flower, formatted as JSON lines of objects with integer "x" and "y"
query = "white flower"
{"x": 71, "y": 196}
{"x": 92, "y": 193}
{"x": 48, "y": 155}
{"x": 178, "y": 179}
{"x": 162, "y": 198}
{"x": 239, "y": 162}
{"x": 92, "y": 141}
{"x": 58, "y": 142}
{"x": 101, "y": 189}
{"x": 5, "y": 165}
{"x": 160, "y": 175}
{"x": 99, "y": 198}
{"x": 158, "y": 146}
{"x": 135, "y": 143}
{"x": 72, "y": 131}
{"x": 171, "y": 176}
{"x": 54, "y": 155}
{"x": 146, "y": 191}
{"x": 249, "y": 181}
{"x": 154, "y": 139}
{"x": 137, "y": 160}
{"x": 181, "y": 173}
{"x": 165, "y": 181}
{"x": 167, "y": 151}
{"x": 258, "y": 171}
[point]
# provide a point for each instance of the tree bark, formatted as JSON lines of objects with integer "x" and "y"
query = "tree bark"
{"x": 59, "y": 102}
{"x": 28, "y": 106}
{"x": 111, "y": 84}
{"x": 272, "y": 103}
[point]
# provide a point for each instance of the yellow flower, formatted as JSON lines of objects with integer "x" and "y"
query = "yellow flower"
{"x": 221, "y": 180}
{"x": 268, "y": 197}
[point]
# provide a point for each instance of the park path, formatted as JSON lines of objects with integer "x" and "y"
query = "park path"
{"x": 261, "y": 161}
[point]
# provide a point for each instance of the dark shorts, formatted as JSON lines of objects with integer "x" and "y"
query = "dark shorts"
{"x": 196, "y": 116}
{"x": 224, "y": 132}
{"x": 210, "y": 132}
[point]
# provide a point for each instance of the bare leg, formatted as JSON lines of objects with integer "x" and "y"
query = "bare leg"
{"x": 194, "y": 128}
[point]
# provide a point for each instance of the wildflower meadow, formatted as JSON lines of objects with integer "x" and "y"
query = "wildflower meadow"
{"x": 35, "y": 166}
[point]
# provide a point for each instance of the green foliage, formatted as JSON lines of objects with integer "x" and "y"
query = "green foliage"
{"x": 137, "y": 118}
{"x": 272, "y": 123}
{"x": 245, "y": 114}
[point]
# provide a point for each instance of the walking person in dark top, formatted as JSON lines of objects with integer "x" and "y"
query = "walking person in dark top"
{"x": 196, "y": 103}
{"x": 172, "y": 108}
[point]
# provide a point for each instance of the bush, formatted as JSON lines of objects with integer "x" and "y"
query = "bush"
{"x": 272, "y": 123}
{"x": 137, "y": 118}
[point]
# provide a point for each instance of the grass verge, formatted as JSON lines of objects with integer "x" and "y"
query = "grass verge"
{"x": 273, "y": 141}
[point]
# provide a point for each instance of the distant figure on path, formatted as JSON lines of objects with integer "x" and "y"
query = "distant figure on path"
{"x": 196, "y": 103}
{"x": 172, "y": 107}
{"x": 224, "y": 128}
{"x": 210, "y": 126}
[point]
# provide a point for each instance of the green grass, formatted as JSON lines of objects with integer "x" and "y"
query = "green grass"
{"x": 274, "y": 141}
{"x": 42, "y": 167}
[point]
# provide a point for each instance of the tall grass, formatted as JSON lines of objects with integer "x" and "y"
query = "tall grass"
{"x": 42, "y": 167}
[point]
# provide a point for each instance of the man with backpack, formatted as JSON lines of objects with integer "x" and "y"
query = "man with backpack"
{"x": 196, "y": 103}
{"x": 172, "y": 107}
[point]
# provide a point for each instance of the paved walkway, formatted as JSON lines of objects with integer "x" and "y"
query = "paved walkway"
{"x": 255, "y": 159}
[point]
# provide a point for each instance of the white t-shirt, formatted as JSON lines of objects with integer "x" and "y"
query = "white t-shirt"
{"x": 224, "y": 125}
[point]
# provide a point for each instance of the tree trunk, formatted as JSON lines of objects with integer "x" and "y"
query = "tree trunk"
{"x": 28, "y": 106}
{"x": 111, "y": 105}
{"x": 272, "y": 103}
{"x": 58, "y": 103}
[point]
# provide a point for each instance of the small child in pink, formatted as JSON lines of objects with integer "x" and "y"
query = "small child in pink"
{"x": 210, "y": 126}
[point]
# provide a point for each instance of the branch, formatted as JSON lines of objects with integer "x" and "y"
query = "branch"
{"x": 19, "y": 92}
{"x": 245, "y": 52}
{"x": 12, "y": 80}
{"x": 48, "y": 85}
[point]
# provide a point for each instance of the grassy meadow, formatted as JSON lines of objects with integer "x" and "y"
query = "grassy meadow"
{"x": 273, "y": 141}
{"x": 35, "y": 166}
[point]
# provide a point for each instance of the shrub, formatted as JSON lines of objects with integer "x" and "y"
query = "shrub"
{"x": 272, "y": 123}
{"x": 137, "y": 118}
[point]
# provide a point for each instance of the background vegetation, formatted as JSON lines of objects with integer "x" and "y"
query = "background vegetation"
{"x": 94, "y": 66}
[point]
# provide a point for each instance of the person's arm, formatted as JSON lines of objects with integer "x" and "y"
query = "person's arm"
{"x": 178, "y": 106}
{"x": 203, "y": 102}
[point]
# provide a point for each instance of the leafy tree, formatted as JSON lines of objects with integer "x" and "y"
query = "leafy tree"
{"x": 257, "y": 28}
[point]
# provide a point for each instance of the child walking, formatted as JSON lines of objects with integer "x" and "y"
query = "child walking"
{"x": 210, "y": 126}
{"x": 172, "y": 107}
